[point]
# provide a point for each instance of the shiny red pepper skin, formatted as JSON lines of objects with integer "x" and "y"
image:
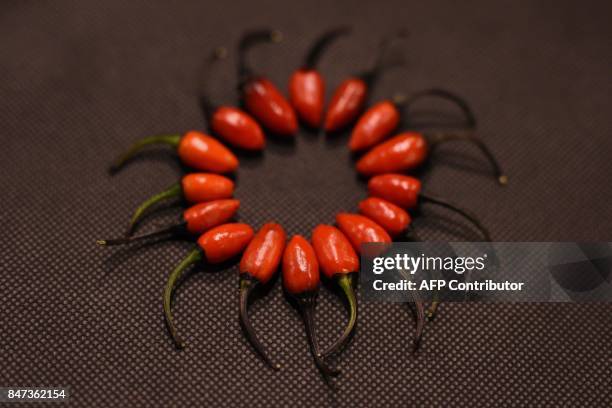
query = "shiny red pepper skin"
{"x": 300, "y": 267}
{"x": 361, "y": 230}
{"x": 263, "y": 255}
{"x": 334, "y": 251}
{"x": 264, "y": 101}
{"x": 201, "y": 187}
{"x": 238, "y": 128}
{"x": 307, "y": 95}
{"x": 374, "y": 126}
{"x": 399, "y": 189}
{"x": 204, "y": 216}
{"x": 392, "y": 218}
{"x": 405, "y": 151}
{"x": 205, "y": 153}
{"x": 225, "y": 241}
{"x": 346, "y": 104}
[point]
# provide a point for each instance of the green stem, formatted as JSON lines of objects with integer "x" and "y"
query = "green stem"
{"x": 173, "y": 191}
{"x": 247, "y": 284}
{"x": 172, "y": 140}
{"x": 193, "y": 257}
{"x": 345, "y": 281}
{"x": 170, "y": 230}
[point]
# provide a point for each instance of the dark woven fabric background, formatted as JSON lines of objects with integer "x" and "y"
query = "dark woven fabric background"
{"x": 80, "y": 80}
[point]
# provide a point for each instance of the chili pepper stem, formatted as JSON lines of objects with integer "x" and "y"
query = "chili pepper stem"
{"x": 307, "y": 306}
{"x": 174, "y": 190}
{"x": 443, "y": 94}
{"x": 438, "y": 138}
{"x": 172, "y": 140}
{"x": 420, "y": 323}
{"x": 171, "y": 230}
{"x": 345, "y": 281}
{"x": 247, "y": 284}
{"x": 467, "y": 214}
{"x": 370, "y": 76}
{"x": 314, "y": 54}
{"x": 193, "y": 257}
{"x": 433, "y": 308}
{"x": 249, "y": 40}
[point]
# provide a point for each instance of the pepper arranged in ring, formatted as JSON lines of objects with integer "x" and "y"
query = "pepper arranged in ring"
{"x": 230, "y": 123}
{"x": 306, "y": 85}
{"x": 214, "y": 246}
{"x": 395, "y": 220}
{"x": 362, "y": 230}
{"x": 405, "y": 191}
{"x": 350, "y": 96}
{"x": 194, "y": 220}
{"x": 260, "y": 96}
{"x": 383, "y": 118}
{"x": 339, "y": 262}
{"x": 301, "y": 281}
{"x": 195, "y": 149}
{"x": 258, "y": 265}
{"x": 194, "y": 188}
{"x": 410, "y": 150}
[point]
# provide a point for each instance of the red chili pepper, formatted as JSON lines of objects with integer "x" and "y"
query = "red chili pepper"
{"x": 409, "y": 150}
{"x": 194, "y": 188}
{"x": 339, "y": 262}
{"x": 306, "y": 85}
{"x": 214, "y": 246}
{"x": 260, "y": 95}
{"x": 361, "y": 230}
{"x": 350, "y": 97}
{"x": 195, "y": 149}
{"x": 259, "y": 263}
{"x": 232, "y": 124}
{"x": 405, "y": 191}
{"x": 392, "y": 218}
{"x": 374, "y": 125}
{"x": 195, "y": 220}
{"x": 301, "y": 280}
{"x": 383, "y": 118}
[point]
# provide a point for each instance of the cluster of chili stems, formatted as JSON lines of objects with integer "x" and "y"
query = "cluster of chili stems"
{"x": 333, "y": 250}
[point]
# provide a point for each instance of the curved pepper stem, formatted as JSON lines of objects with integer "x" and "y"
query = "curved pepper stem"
{"x": 468, "y": 113}
{"x": 420, "y": 322}
{"x": 307, "y": 304}
{"x": 173, "y": 191}
{"x": 249, "y": 40}
{"x": 206, "y": 103}
{"x": 171, "y": 230}
{"x": 194, "y": 256}
{"x": 172, "y": 140}
{"x": 433, "y": 308}
{"x": 465, "y": 213}
{"x": 247, "y": 284}
{"x": 439, "y": 138}
{"x": 322, "y": 43}
{"x": 345, "y": 281}
{"x": 382, "y": 63}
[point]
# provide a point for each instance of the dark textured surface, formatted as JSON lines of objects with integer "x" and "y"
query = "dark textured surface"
{"x": 79, "y": 80}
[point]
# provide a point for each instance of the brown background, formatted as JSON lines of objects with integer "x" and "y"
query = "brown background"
{"x": 79, "y": 80}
